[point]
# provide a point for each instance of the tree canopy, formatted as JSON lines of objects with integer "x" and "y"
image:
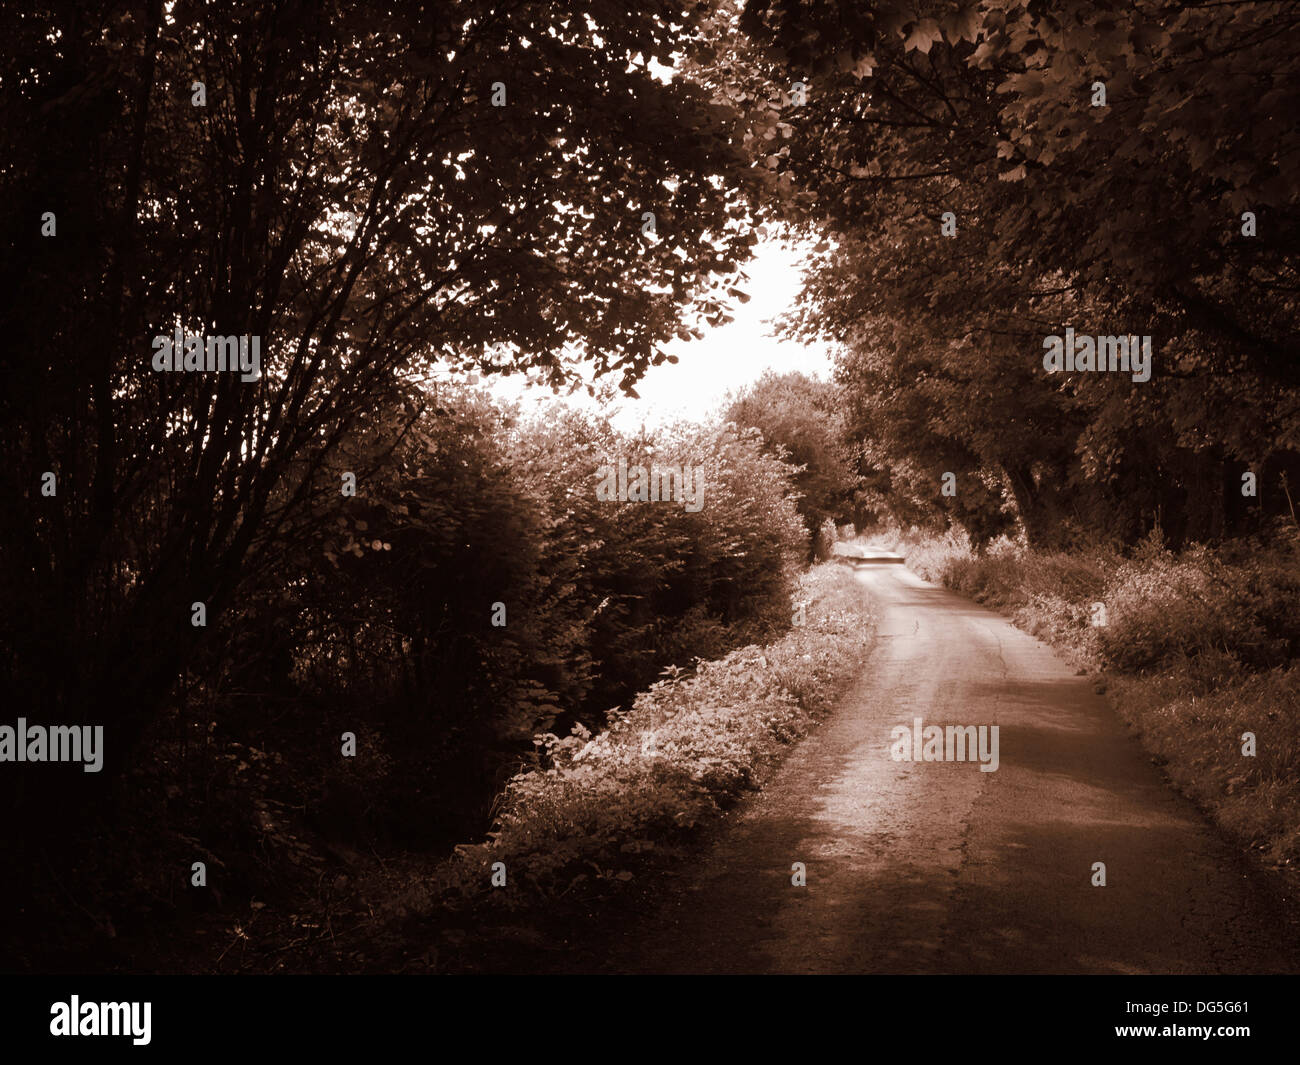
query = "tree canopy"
{"x": 374, "y": 193}
{"x": 989, "y": 174}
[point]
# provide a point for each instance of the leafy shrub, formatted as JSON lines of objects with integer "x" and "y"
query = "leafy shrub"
{"x": 1163, "y": 609}
{"x": 688, "y": 746}
{"x": 383, "y": 620}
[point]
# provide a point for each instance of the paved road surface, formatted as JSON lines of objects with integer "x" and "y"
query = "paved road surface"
{"x": 922, "y": 867}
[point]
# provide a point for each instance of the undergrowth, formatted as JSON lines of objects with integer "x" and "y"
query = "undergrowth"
{"x": 687, "y": 748}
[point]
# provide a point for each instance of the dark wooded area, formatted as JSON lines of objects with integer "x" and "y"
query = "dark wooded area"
{"x": 390, "y": 197}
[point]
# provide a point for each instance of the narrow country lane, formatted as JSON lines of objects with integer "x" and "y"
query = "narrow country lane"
{"x": 937, "y": 867}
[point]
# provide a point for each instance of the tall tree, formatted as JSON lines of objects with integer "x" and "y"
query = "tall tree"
{"x": 991, "y": 173}
{"x": 371, "y": 192}
{"x": 800, "y": 418}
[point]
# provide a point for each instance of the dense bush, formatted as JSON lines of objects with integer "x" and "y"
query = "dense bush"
{"x": 383, "y": 624}
{"x": 688, "y": 746}
{"x": 376, "y": 618}
{"x": 1164, "y": 608}
{"x": 659, "y": 583}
